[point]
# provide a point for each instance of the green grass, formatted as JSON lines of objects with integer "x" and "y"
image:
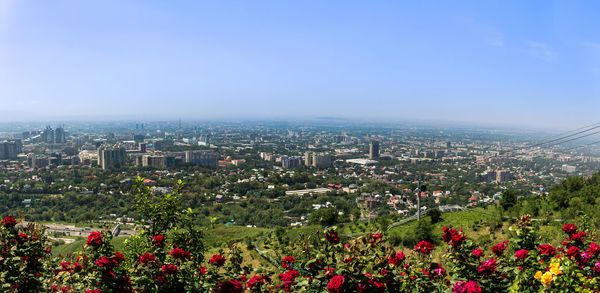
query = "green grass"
{"x": 298, "y": 233}
{"x": 222, "y": 234}
{"x": 65, "y": 249}
{"x": 475, "y": 226}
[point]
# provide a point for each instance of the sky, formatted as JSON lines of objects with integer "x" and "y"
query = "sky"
{"x": 530, "y": 63}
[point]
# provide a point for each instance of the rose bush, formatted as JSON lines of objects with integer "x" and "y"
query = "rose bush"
{"x": 169, "y": 257}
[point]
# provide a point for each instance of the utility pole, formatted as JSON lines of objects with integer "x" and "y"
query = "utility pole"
{"x": 420, "y": 188}
{"x": 419, "y": 199}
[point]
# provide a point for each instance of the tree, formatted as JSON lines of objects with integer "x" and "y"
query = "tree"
{"x": 423, "y": 231}
{"x": 509, "y": 199}
{"x": 324, "y": 217}
{"x": 435, "y": 215}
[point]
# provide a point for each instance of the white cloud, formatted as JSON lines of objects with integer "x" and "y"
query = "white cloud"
{"x": 541, "y": 50}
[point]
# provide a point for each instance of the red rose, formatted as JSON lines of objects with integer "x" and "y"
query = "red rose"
{"x": 447, "y": 236}
{"x": 499, "y": 248}
{"x": 217, "y": 260}
{"x": 332, "y": 237}
{"x": 65, "y": 265}
{"x": 158, "y": 239}
{"x": 257, "y": 281}
{"x": 488, "y": 267}
{"x": 231, "y": 286}
{"x": 287, "y": 261}
{"x": 9, "y": 222}
{"x": 288, "y": 279}
{"x": 452, "y": 236}
{"x": 94, "y": 239}
{"x": 547, "y": 249}
{"x": 459, "y": 287}
{"x": 477, "y": 252}
{"x": 335, "y": 284}
{"x": 521, "y": 254}
{"x": 178, "y": 253}
{"x": 289, "y": 276}
{"x": 578, "y": 237}
{"x": 472, "y": 287}
{"x": 597, "y": 267}
{"x": 169, "y": 269}
{"x": 105, "y": 262}
{"x": 457, "y": 239}
{"x": 146, "y": 258}
{"x": 573, "y": 251}
{"x": 203, "y": 271}
{"x": 594, "y": 249}
{"x": 396, "y": 258}
{"x": 378, "y": 286}
{"x": 117, "y": 258}
{"x": 376, "y": 237}
{"x": 424, "y": 247}
{"x": 570, "y": 229}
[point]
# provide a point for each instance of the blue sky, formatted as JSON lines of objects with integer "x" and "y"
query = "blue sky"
{"x": 534, "y": 63}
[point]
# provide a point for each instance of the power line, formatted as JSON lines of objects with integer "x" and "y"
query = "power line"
{"x": 567, "y": 132}
{"x": 564, "y": 137}
{"x": 580, "y": 146}
{"x": 572, "y": 139}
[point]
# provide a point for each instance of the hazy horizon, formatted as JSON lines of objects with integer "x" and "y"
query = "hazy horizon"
{"x": 506, "y": 63}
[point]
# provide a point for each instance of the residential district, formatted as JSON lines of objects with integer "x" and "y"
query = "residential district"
{"x": 269, "y": 174}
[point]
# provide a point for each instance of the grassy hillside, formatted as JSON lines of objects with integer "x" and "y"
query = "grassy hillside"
{"x": 65, "y": 249}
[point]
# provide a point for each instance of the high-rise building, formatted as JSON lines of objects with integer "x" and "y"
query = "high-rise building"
{"x": 48, "y": 135}
{"x": 111, "y": 156}
{"x": 504, "y": 175}
{"x": 488, "y": 176}
{"x": 10, "y": 149}
{"x": 290, "y": 162}
{"x": 202, "y": 158}
{"x": 142, "y": 147}
{"x": 322, "y": 160}
{"x": 204, "y": 139}
{"x": 157, "y": 161}
{"x": 568, "y": 168}
{"x": 373, "y": 149}
{"x": 308, "y": 159}
{"x": 59, "y": 135}
{"x": 37, "y": 161}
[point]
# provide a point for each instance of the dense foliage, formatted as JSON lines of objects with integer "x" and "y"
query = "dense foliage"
{"x": 168, "y": 256}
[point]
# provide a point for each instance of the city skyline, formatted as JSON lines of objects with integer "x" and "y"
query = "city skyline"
{"x": 507, "y": 63}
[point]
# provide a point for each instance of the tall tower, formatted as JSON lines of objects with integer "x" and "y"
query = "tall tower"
{"x": 373, "y": 149}
{"x": 308, "y": 158}
{"x": 59, "y": 135}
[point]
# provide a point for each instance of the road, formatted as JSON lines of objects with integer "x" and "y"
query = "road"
{"x": 71, "y": 230}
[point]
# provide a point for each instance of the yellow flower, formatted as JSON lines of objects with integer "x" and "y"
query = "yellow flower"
{"x": 538, "y": 275}
{"x": 547, "y": 278}
{"x": 555, "y": 268}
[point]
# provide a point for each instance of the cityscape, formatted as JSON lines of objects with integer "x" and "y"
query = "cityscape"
{"x": 299, "y": 146}
{"x": 362, "y": 172}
